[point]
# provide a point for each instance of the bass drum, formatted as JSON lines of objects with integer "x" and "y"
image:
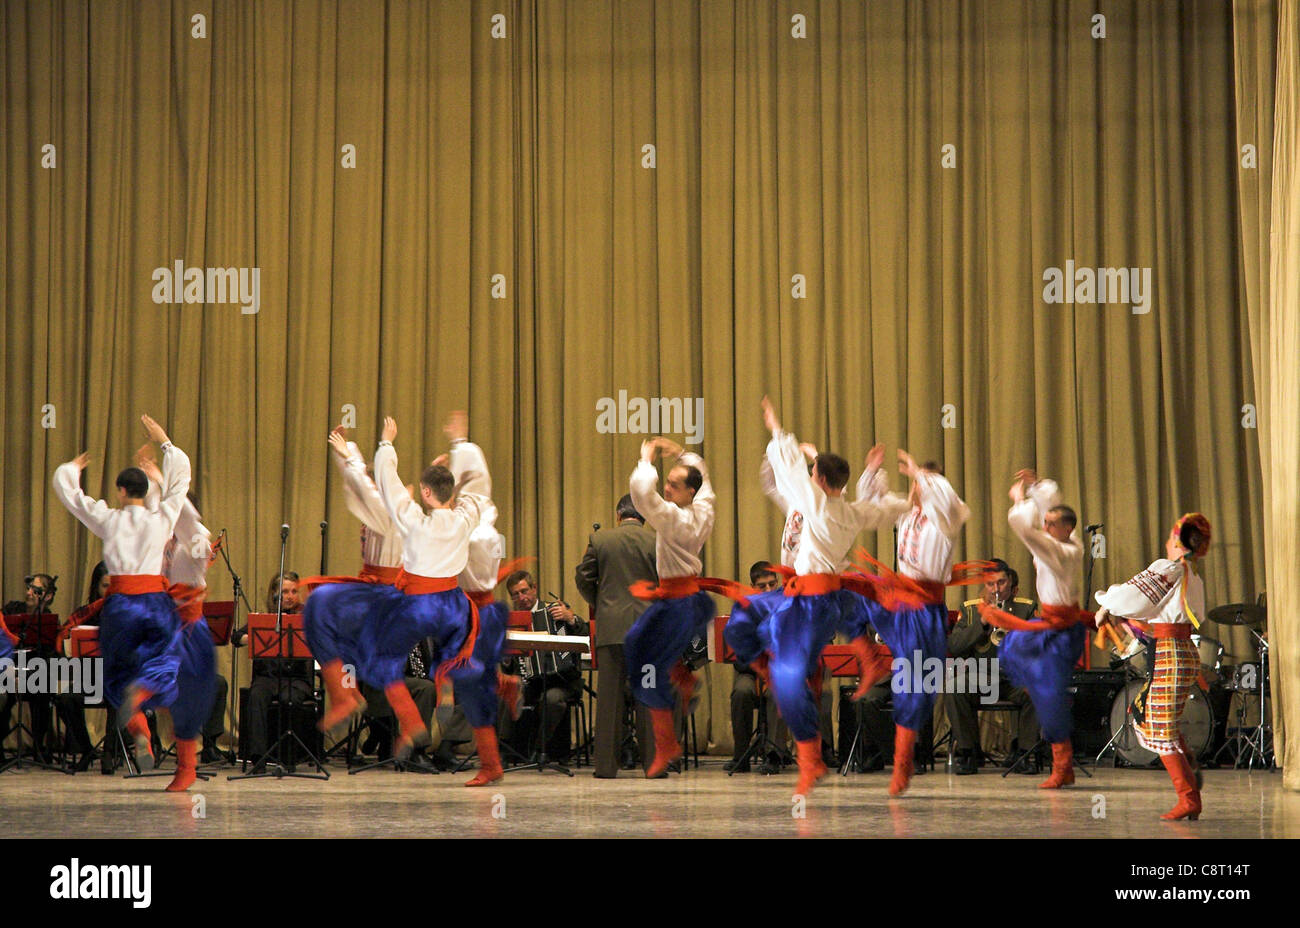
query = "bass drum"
{"x": 1196, "y": 725}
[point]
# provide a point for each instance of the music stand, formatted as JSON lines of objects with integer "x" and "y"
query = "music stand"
{"x": 37, "y": 630}
{"x": 83, "y": 642}
{"x": 287, "y": 642}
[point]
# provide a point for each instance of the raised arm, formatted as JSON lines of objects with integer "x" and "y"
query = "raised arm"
{"x": 359, "y": 492}
{"x": 940, "y": 502}
{"x": 1026, "y": 520}
{"x": 875, "y": 505}
{"x": 404, "y": 512}
{"x": 95, "y": 514}
{"x": 469, "y": 467}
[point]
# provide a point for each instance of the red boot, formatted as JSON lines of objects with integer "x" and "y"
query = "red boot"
{"x": 135, "y": 697}
{"x": 684, "y": 680}
{"x": 508, "y": 688}
{"x": 811, "y": 768}
{"x": 186, "y": 774}
{"x": 872, "y": 665}
{"x": 489, "y": 757}
{"x": 904, "y": 745}
{"x": 1189, "y": 797}
{"x": 667, "y": 749}
{"x": 1062, "y": 766}
{"x": 138, "y": 727}
{"x": 345, "y": 701}
{"x": 413, "y": 732}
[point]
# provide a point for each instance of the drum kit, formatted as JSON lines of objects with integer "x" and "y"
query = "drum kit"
{"x": 1209, "y": 708}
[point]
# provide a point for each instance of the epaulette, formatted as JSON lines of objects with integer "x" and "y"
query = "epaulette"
{"x": 1021, "y": 599}
{"x": 972, "y": 602}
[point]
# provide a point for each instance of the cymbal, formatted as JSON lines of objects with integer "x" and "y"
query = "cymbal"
{"x": 1238, "y": 614}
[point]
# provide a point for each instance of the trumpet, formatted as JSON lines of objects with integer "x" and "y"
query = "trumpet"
{"x": 997, "y": 633}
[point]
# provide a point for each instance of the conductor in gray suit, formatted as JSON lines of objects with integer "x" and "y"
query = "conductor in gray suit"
{"x": 616, "y": 558}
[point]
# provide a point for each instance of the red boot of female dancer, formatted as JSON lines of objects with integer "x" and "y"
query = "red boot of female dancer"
{"x": 186, "y": 764}
{"x": 345, "y": 701}
{"x": 667, "y": 749}
{"x": 904, "y": 745}
{"x": 1189, "y": 797}
{"x": 489, "y": 757}
{"x": 811, "y": 768}
{"x": 1062, "y": 766}
{"x": 412, "y": 732}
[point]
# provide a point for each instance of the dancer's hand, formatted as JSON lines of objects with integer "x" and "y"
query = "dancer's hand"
{"x": 668, "y": 448}
{"x": 770, "y": 421}
{"x": 153, "y": 429}
{"x": 457, "y": 427}
{"x": 906, "y": 465}
{"x": 390, "y": 428}
{"x": 441, "y": 460}
{"x": 339, "y": 442}
{"x": 648, "y": 451}
{"x": 876, "y": 457}
{"x": 144, "y": 460}
{"x": 809, "y": 450}
{"x": 82, "y": 460}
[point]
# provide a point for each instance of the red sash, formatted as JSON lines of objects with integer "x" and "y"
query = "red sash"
{"x": 189, "y": 601}
{"x": 681, "y": 587}
{"x": 416, "y": 585}
{"x": 136, "y": 584}
{"x": 1165, "y": 629}
{"x": 1051, "y": 618}
{"x": 81, "y": 616}
{"x": 369, "y": 574}
{"x": 480, "y": 598}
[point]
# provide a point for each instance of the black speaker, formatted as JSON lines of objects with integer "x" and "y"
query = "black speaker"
{"x": 1094, "y": 692}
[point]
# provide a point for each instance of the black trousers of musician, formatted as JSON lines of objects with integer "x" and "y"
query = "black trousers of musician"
{"x": 963, "y": 715}
{"x": 522, "y": 733}
{"x": 71, "y": 708}
{"x": 257, "y": 718}
{"x": 215, "y": 726}
{"x": 613, "y": 694}
{"x": 744, "y": 703}
{"x": 877, "y": 717}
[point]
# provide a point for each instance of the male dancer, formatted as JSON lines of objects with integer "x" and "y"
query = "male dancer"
{"x": 1169, "y": 598}
{"x": 932, "y": 516}
{"x": 1041, "y": 655}
{"x": 185, "y": 565}
{"x": 435, "y": 550}
{"x": 683, "y": 520}
{"x": 339, "y": 607}
{"x": 815, "y": 600}
{"x": 139, "y": 633}
{"x": 477, "y": 694}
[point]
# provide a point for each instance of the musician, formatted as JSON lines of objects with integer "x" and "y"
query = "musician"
{"x": 616, "y": 558}
{"x": 562, "y": 680}
{"x": 744, "y": 695}
{"x": 296, "y": 673}
{"x": 970, "y": 637}
{"x": 39, "y": 594}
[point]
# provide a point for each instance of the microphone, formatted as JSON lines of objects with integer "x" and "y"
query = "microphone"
{"x": 1094, "y": 526}
{"x": 323, "y": 526}
{"x": 595, "y": 526}
{"x": 284, "y": 531}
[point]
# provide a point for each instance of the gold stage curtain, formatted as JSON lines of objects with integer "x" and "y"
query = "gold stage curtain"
{"x": 850, "y": 206}
{"x": 1267, "y": 36}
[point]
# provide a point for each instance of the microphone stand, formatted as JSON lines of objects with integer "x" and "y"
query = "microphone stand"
{"x": 324, "y": 529}
{"x": 237, "y": 593}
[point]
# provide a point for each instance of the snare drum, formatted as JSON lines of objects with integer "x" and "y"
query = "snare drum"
{"x": 1196, "y": 725}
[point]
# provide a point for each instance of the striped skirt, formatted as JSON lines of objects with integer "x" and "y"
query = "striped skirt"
{"x": 1158, "y": 706}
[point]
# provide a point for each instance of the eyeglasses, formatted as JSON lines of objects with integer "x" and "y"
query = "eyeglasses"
{"x": 36, "y": 588}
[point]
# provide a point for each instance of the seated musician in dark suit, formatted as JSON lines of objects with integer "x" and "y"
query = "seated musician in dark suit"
{"x": 971, "y": 637}
{"x": 295, "y": 675}
{"x": 560, "y": 678}
{"x": 39, "y": 595}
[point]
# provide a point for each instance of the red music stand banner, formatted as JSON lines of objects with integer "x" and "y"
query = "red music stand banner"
{"x": 291, "y": 641}
{"x": 220, "y": 617}
{"x": 84, "y": 641}
{"x": 518, "y": 621}
{"x": 33, "y": 631}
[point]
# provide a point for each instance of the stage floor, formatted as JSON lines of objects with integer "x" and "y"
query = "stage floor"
{"x": 702, "y": 803}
